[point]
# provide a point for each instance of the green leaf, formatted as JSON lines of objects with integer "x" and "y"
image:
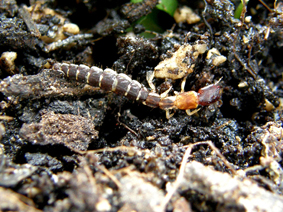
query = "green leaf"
{"x": 168, "y": 6}
{"x": 239, "y": 9}
{"x": 136, "y": 1}
{"x": 150, "y": 22}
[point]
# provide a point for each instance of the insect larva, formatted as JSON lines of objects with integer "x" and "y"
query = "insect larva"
{"x": 121, "y": 84}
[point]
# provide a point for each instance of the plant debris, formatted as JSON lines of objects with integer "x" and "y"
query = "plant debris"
{"x": 68, "y": 146}
{"x": 77, "y": 131}
{"x": 231, "y": 192}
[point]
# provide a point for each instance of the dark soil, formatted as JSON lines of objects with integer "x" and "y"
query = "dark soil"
{"x": 67, "y": 146}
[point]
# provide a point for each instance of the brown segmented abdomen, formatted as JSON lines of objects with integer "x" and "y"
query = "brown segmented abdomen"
{"x": 107, "y": 79}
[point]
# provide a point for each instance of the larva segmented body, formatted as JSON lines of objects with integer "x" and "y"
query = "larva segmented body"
{"x": 121, "y": 84}
{"x": 109, "y": 80}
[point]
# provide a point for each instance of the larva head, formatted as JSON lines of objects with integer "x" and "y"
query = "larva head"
{"x": 209, "y": 94}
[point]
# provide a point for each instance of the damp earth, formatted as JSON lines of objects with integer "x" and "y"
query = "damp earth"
{"x": 68, "y": 146}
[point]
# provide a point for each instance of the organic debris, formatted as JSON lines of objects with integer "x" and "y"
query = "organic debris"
{"x": 69, "y": 146}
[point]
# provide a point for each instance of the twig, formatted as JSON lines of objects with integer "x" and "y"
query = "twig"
{"x": 265, "y": 5}
{"x": 206, "y": 23}
{"x": 110, "y": 175}
{"x": 251, "y": 72}
{"x": 118, "y": 148}
{"x": 179, "y": 178}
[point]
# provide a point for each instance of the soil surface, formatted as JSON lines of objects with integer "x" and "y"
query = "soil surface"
{"x": 69, "y": 146}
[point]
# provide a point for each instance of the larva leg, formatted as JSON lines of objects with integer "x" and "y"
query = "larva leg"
{"x": 165, "y": 93}
{"x": 149, "y": 78}
{"x": 168, "y": 115}
{"x": 183, "y": 84}
{"x": 189, "y": 112}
